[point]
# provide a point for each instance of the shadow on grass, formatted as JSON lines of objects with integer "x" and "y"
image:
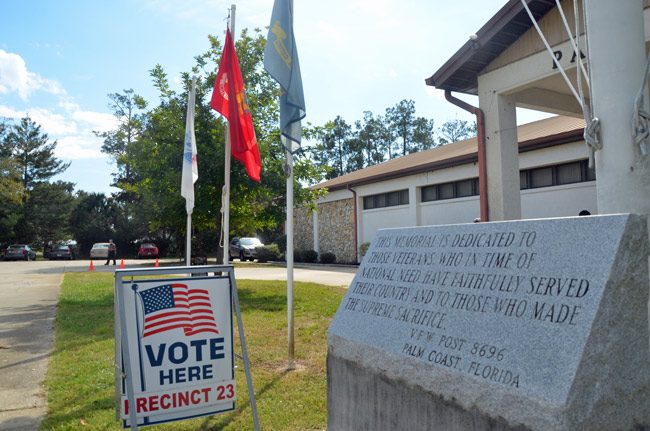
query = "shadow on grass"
{"x": 227, "y": 420}
{"x": 56, "y": 419}
{"x": 251, "y": 299}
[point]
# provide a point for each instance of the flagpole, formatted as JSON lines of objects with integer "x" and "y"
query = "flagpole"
{"x": 189, "y": 176}
{"x": 226, "y": 175}
{"x": 281, "y": 62}
{"x": 289, "y": 256}
{"x": 188, "y": 241}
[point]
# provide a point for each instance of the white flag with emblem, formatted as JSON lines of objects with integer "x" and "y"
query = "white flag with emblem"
{"x": 190, "y": 166}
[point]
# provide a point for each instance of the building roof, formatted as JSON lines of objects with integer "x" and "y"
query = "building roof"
{"x": 539, "y": 134}
{"x": 461, "y": 71}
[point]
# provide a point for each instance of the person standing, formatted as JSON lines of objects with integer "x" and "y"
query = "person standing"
{"x": 112, "y": 252}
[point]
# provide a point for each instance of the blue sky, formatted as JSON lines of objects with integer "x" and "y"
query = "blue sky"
{"x": 60, "y": 59}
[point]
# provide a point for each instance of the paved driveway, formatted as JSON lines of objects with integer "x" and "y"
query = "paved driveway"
{"x": 28, "y": 297}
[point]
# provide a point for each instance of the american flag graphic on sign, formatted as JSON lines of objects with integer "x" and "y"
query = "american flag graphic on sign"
{"x": 174, "y": 306}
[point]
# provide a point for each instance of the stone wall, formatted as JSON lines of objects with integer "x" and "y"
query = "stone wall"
{"x": 336, "y": 229}
{"x": 303, "y": 229}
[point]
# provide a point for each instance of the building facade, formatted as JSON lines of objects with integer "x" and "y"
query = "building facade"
{"x": 440, "y": 186}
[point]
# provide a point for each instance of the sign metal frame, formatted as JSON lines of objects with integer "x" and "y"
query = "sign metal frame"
{"x": 123, "y": 372}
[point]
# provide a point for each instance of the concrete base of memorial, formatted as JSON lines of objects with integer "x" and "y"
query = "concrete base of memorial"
{"x": 483, "y": 367}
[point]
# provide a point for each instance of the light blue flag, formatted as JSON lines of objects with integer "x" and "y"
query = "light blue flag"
{"x": 281, "y": 62}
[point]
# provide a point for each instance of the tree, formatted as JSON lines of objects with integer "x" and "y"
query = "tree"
{"x": 154, "y": 156}
{"x": 11, "y": 190}
{"x": 126, "y": 107}
{"x": 333, "y": 149}
{"x": 423, "y": 134}
{"x": 455, "y": 130}
{"x": 400, "y": 119}
{"x": 375, "y": 138}
{"x": 28, "y": 159}
{"x": 34, "y": 154}
{"x": 92, "y": 220}
{"x": 47, "y": 212}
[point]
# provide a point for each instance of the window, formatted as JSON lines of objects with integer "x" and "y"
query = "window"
{"x": 456, "y": 189}
{"x": 555, "y": 175}
{"x": 523, "y": 180}
{"x": 541, "y": 177}
{"x": 429, "y": 193}
{"x": 446, "y": 191}
{"x": 465, "y": 188}
{"x": 382, "y": 200}
{"x": 569, "y": 173}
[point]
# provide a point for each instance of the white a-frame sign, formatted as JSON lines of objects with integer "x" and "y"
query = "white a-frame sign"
{"x": 174, "y": 345}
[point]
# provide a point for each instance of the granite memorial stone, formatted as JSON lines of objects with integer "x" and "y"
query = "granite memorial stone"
{"x": 538, "y": 324}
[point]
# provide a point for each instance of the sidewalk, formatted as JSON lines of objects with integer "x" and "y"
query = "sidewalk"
{"x": 26, "y": 337}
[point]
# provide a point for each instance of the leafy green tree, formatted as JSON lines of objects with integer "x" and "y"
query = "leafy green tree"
{"x": 400, "y": 119}
{"x": 92, "y": 220}
{"x": 423, "y": 134}
{"x": 375, "y": 138}
{"x": 154, "y": 156}
{"x": 126, "y": 107}
{"x": 334, "y": 147}
{"x": 47, "y": 212}
{"x": 455, "y": 130}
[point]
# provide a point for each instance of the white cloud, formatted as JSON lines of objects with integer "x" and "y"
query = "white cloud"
{"x": 72, "y": 129}
{"x": 15, "y": 78}
{"x": 79, "y": 147}
{"x": 8, "y": 112}
{"x": 52, "y": 123}
{"x": 89, "y": 120}
{"x": 99, "y": 121}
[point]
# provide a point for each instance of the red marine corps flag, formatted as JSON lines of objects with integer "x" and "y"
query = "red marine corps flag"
{"x": 229, "y": 99}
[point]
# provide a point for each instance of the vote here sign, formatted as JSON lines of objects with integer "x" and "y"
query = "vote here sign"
{"x": 181, "y": 348}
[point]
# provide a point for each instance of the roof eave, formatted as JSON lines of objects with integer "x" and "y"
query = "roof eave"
{"x": 524, "y": 146}
{"x": 442, "y": 78}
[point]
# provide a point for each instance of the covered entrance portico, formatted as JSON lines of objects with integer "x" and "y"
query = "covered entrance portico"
{"x": 507, "y": 65}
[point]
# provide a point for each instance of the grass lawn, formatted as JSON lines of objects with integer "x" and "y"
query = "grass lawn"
{"x": 80, "y": 379}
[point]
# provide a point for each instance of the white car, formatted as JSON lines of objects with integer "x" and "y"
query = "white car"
{"x": 99, "y": 250}
{"x": 244, "y": 248}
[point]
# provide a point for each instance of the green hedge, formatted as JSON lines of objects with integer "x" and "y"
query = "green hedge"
{"x": 267, "y": 253}
{"x": 327, "y": 257}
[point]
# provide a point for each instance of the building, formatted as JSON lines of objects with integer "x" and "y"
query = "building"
{"x": 534, "y": 170}
{"x": 440, "y": 186}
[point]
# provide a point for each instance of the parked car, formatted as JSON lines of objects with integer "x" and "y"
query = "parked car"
{"x": 99, "y": 250}
{"x": 19, "y": 252}
{"x": 244, "y": 248}
{"x": 147, "y": 250}
{"x": 61, "y": 251}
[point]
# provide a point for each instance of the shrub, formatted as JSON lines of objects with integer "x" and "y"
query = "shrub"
{"x": 327, "y": 257}
{"x": 309, "y": 256}
{"x": 363, "y": 249}
{"x": 268, "y": 252}
{"x": 297, "y": 255}
{"x": 282, "y": 243}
